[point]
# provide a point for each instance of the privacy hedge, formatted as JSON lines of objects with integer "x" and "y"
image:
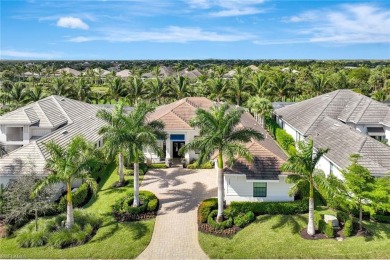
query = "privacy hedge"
{"x": 205, "y": 208}
{"x": 157, "y": 166}
{"x": 219, "y": 225}
{"x": 284, "y": 139}
{"x": 208, "y": 165}
{"x": 271, "y": 208}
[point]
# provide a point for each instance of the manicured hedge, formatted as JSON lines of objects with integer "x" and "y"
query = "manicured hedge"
{"x": 317, "y": 218}
{"x": 219, "y": 225}
{"x": 243, "y": 220}
{"x": 271, "y": 208}
{"x": 382, "y": 218}
{"x": 195, "y": 165}
{"x": 205, "y": 208}
{"x": 130, "y": 172}
{"x": 284, "y": 139}
{"x": 321, "y": 226}
{"x": 79, "y": 198}
{"x": 348, "y": 228}
{"x": 329, "y": 231}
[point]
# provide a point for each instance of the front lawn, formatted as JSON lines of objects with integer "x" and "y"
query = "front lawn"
{"x": 278, "y": 237}
{"x": 113, "y": 239}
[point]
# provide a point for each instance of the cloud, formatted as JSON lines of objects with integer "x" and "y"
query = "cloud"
{"x": 226, "y": 8}
{"x": 72, "y": 22}
{"x": 29, "y": 54}
{"x": 345, "y": 24}
{"x": 169, "y": 34}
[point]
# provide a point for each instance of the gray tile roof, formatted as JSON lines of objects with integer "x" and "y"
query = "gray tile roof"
{"x": 344, "y": 105}
{"x": 343, "y": 141}
{"x": 32, "y": 115}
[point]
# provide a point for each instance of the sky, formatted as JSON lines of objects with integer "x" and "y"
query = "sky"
{"x": 194, "y": 29}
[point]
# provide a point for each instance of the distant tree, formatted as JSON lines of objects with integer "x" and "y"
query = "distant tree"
{"x": 136, "y": 90}
{"x": 217, "y": 89}
{"x": 116, "y": 89}
{"x": 180, "y": 88}
{"x": 261, "y": 107}
{"x": 36, "y": 93}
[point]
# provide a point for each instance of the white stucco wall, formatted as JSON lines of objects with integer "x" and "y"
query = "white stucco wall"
{"x": 290, "y": 130}
{"x": 238, "y": 188}
{"x": 324, "y": 164}
{"x": 387, "y": 133}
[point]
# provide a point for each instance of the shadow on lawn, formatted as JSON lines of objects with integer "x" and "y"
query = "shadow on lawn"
{"x": 185, "y": 200}
{"x": 107, "y": 229}
{"x": 377, "y": 230}
{"x": 292, "y": 221}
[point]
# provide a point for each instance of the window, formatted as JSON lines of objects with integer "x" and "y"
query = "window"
{"x": 177, "y": 137}
{"x": 331, "y": 168}
{"x": 259, "y": 189}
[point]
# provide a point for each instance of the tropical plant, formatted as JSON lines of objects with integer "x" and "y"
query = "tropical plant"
{"x": 36, "y": 93}
{"x": 116, "y": 89}
{"x": 219, "y": 133}
{"x": 217, "y": 89}
{"x": 302, "y": 164}
{"x": 261, "y": 107}
{"x": 75, "y": 162}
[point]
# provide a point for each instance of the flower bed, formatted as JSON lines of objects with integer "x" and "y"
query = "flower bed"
{"x": 124, "y": 211}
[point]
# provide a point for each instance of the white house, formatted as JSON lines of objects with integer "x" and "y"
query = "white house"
{"x": 346, "y": 123}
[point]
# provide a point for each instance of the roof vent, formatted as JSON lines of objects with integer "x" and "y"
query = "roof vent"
{"x": 64, "y": 132}
{"x": 62, "y": 99}
{"x": 336, "y": 125}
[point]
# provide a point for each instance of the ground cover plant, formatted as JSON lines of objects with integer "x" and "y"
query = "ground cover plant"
{"x": 109, "y": 239}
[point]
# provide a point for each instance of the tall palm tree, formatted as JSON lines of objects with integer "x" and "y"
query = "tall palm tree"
{"x": 157, "y": 90}
{"x": 59, "y": 87}
{"x": 116, "y": 89}
{"x": 302, "y": 164}
{"x": 260, "y": 85}
{"x": 281, "y": 86}
{"x": 36, "y": 93}
{"x": 180, "y": 88}
{"x": 217, "y": 89}
{"x": 261, "y": 107}
{"x": 137, "y": 90}
{"x": 239, "y": 88}
{"x": 115, "y": 136}
{"x": 68, "y": 165}
{"x": 219, "y": 133}
{"x": 141, "y": 134}
{"x": 319, "y": 84}
{"x": 82, "y": 90}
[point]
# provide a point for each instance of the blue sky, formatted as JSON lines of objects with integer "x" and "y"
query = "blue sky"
{"x": 195, "y": 29}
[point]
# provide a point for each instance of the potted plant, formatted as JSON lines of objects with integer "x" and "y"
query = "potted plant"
{"x": 184, "y": 162}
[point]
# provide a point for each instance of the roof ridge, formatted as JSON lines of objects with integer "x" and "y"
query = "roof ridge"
{"x": 351, "y": 112}
{"x": 44, "y": 114}
{"x": 173, "y": 112}
{"x": 179, "y": 102}
{"x": 61, "y": 108}
{"x": 365, "y": 109}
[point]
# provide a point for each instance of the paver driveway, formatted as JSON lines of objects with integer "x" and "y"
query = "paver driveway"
{"x": 180, "y": 191}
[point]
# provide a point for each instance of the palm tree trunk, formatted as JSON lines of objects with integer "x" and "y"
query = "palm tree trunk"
{"x": 69, "y": 208}
{"x": 221, "y": 187}
{"x": 136, "y": 185}
{"x": 120, "y": 170}
{"x": 310, "y": 225}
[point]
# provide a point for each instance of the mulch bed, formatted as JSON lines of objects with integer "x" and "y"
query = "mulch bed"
{"x": 126, "y": 217}
{"x": 316, "y": 236}
{"x": 208, "y": 229}
{"x": 120, "y": 184}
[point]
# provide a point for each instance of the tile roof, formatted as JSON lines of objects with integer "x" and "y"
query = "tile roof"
{"x": 343, "y": 104}
{"x": 343, "y": 141}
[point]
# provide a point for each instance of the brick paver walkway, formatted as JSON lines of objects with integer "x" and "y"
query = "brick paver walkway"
{"x": 180, "y": 191}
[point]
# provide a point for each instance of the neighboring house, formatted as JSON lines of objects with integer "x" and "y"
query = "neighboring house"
{"x": 64, "y": 119}
{"x": 124, "y": 74}
{"x": 346, "y": 123}
{"x": 25, "y": 130}
{"x": 70, "y": 71}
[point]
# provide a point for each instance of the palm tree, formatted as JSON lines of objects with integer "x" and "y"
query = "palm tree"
{"x": 260, "y": 85}
{"x": 137, "y": 90}
{"x": 82, "y": 90}
{"x": 141, "y": 134}
{"x": 59, "y": 87}
{"x": 180, "y": 88}
{"x": 116, "y": 89}
{"x": 261, "y": 107}
{"x": 3, "y": 150}
{"x": 157, "y": 90}
{"x": 219, "y": 133}
{"x": 319, "y": 84}
{"x": 302, "y": 164}
{"x": 35, "y": 94}
{"x": 281, "y": 87}
{"x": 239, "y": 87}
{"x": 217, "y": 89}
{"x": 115, "y": 137}
{"x": 68, "y": 165}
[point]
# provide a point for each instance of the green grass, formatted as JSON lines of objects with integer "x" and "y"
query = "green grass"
{"x": 278, "y": 237}
{"x": 113, "y": 240}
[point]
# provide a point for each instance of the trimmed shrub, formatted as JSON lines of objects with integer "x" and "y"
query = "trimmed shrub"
{"x": 32, "y": 239}
{"x": 157, "y": 166}
{"x": 79, "y": 198}
{"x": 219, "y": 225}
{"x": 130, "y": 172}
{"x": 272, "y": 208}
{"x": 195, "y": 165}
{"x": 321, "y": 226}
{"x": 329, "y": 232}
{"x": 381, "y": 218}
{"x": 342, "y": 216}
{"x": 317, "y": 218}
{"x": 205, "y": 208}
{"x": 123, "y": 206}
{"x": 243, "y": 220}
{"x": 284, "y": 139}
{"x": 348, "y": 228}
{"x": 271, "y": 125}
